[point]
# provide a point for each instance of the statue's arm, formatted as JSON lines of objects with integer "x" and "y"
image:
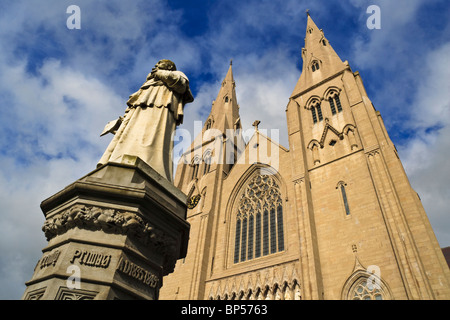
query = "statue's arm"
{"x": 175, "y": 80}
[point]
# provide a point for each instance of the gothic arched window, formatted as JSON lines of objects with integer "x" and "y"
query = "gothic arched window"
{"x": 194, "y": 165}
{"x": 208, "y": 124}
{"x": 259, "y": 220}
{"x": 315, "y": 66}
{"x": 335, "y": 102}
{"x": 206, "y": 163}
{"x": 366, "y": 285}
{"x": 316, "y": 111}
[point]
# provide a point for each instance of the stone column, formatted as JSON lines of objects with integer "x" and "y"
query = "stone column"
{"x": 112, "y": 234}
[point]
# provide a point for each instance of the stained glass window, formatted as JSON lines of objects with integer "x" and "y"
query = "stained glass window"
{"x": 259, "y": 221}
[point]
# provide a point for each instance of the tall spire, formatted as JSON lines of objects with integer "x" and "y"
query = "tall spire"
{"x": 225, "y": 110}
{"x": 320, "y": 61}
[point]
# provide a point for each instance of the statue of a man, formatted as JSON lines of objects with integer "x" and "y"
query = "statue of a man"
{"x": 150, "y": 120}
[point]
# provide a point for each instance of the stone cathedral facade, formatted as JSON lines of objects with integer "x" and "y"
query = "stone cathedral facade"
{"x": 331, "y": 217}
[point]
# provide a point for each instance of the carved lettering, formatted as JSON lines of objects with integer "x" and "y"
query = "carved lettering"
{"x": 138, "y": 273}
{"x": 49, "y": 259}
{"x": 91, "y": 259}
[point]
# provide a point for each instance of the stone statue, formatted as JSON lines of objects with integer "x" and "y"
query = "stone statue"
{"x": 150, "y": 120}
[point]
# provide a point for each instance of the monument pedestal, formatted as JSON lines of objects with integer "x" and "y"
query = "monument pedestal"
{"x": 112, "y": 234}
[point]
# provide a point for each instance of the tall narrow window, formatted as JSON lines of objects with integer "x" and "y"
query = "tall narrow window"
{"x": 338, "y": 103}
{"x": 314, "y": 116}
{"x": 332, "y": 106}
{"x": 259, "y": 225}
{"x": 244, "y": 240}
{"x": 319, "y": 112}
{"x": 207, "y": 164}
{"x": 250, "y": 237}
{"x": 266, "y": 233}
{"x": 344, "y": 198}
{"x": 208, "y": 124}
{"x": 273, "y": 234}
{"x": 280, "y": 228}
{"x": 237, "y": 241}
{"x": 194, "y": 170}
{"x": 258, "y": 235}
{"x": 315, "y": 66}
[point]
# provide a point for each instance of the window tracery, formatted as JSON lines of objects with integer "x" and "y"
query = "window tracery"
{"x": 259, "y": 226}
{"x": 367, "y": 291}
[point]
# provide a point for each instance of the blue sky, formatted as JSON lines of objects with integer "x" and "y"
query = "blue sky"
{"x": 59, "y": 87}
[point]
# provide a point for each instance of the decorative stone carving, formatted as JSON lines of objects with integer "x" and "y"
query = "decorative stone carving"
{"x": 111, "y": 221}
{"x": 75, "y": 294}
{"x": 262, "y": 192}
{"x": 35, "y": 294}
{"x": 253, "y": 288}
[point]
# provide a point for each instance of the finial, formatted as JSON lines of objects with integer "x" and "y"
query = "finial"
{"x": 231, "y": 62}
{"x": 255, "y": 124}
{"x": 307, "y": 12}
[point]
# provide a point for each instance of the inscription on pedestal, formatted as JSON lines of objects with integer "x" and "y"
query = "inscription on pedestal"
{"x": 91, "y": 259}
{"x": 129, "y": 268}
{"x": 49, "y": 259}
{"x": 112, "y": 234}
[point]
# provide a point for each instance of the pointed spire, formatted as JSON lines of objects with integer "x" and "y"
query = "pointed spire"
{"x": 320, "y": 61}
{"x": 225, "y": 110}
{"x": 229, "y": 76}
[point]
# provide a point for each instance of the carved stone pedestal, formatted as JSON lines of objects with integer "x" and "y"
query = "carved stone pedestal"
{"x": 112, "y": 234}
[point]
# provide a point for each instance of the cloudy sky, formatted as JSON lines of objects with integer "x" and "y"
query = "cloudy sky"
{"x": 59, "y": 87}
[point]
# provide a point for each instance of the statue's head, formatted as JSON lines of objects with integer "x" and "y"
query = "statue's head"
{"x": 166, "y": 65}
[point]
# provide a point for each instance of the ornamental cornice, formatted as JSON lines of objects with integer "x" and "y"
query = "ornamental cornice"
{"x": 112, "y": 221}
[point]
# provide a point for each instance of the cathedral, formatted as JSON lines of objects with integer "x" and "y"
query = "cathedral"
{"x": 333, "y": 216}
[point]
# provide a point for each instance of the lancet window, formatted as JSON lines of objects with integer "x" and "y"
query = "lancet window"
{"x": 194, "y": 171}
{"x": 335, "y": 103}
{"x": 341, "y": 185}
{"x": 207, "y": 163}
{"x": 316, "y": 111}
{"x": 315, "y": 66}
{"x": 344, "y": 198}
{"x": 259, "y": 227}
{"x": 208, "y": 124}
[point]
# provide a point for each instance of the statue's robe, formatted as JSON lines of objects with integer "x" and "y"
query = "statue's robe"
{"x": 150, "y": 120}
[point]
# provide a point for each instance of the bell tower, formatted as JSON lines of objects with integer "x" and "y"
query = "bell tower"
{"x": 359, "y": 211}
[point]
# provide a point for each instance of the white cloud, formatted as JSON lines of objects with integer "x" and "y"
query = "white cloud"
{"x": 425, "y": 157}
{"x": 50, "y": 145}
{"x": 263, "y": 87}
{"x": 52, "y": 114}
{"x": 58, "y": 88}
